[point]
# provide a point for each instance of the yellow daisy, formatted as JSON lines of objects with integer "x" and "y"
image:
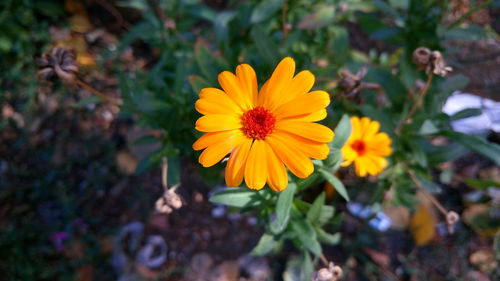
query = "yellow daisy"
{"x": 266, "y": 130}
{"x": 366, "y": 147}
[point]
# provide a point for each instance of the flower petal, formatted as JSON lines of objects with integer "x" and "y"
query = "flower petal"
{"x": 248, "y": 82}
{"x": 301, "y": 84}
{"x": 235, "y": 168}
{"x": 256, "y": 166}
{"x": 305, "y": 104}
{"x": 214, "y": 153}
{"x": 311, "y": 117}
{"x": 298, "y": 163}
{"x": 310, "y": 148}
{"x": 277, "y": 177}
{"x": 271, "y": 95}
{"x": 231, "y": 85}
{"x": 213, "y": 138}
{"x": 215, "y": 101}
{"x": 217, "y": 122}
{"x": 312, "y": 131}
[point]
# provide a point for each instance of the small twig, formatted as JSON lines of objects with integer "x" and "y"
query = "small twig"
{"x": 164, "y": 170}
{"x": 426, "y": 193}
{"x": 417, "y": 103}
{"x": 97, "y": 93}
{"x": 324, "y": 260}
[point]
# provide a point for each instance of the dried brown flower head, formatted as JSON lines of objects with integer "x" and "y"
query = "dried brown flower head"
{"x": 351, "y": 85}
{"x": 331, "y": 273}
{"x": 431, "y": 61}
{"x": 169, "y": 201}
{"x": 60, "y": 62}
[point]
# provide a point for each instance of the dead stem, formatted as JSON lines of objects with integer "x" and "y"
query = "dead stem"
{"x": 417, "y": 103}
{"x": 426, "y": 193}
{"x": 164, "y": 170}
{"x": 97, "y": 93}
{"x": 324, "y": 260}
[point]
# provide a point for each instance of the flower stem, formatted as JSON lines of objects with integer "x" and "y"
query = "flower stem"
{"x": 97, "y": 93}
{"x": 417, "y": 103}
{"x": 426, "y": 193}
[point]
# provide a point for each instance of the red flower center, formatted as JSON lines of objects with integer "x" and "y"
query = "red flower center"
{"x": 258, "y": 123}
{"x": 359, "y": 146}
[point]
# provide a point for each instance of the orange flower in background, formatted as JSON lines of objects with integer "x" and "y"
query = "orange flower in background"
{"x": 366, "y": 147}
{"x": 263, "y": 131}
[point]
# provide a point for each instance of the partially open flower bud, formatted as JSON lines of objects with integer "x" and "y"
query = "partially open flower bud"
{"x": 332, "y": 273}
{"x": 60, "y": 62}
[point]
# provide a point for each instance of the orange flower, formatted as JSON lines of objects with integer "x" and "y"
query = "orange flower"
{"x": 366, "y": 147}
{"x": 266, "y": 130}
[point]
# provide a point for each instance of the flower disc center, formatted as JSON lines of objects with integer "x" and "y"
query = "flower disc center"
{"x": 359, "y": 146}
{"x": 258, "y": 123}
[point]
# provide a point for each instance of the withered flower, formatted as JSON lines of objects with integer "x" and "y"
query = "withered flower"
{"x": 60, "y": 62}
{"x": 351, "y": 85}
{"x": 431, "y": 61}
{"x": 331, "y": 273}
{"x": 169, "y": 201}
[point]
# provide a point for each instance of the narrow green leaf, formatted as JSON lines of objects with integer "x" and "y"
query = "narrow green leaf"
{"x": 326, "y": 214}
{"x": 342, "y": 132}
{"x": 315, "y": 211}
{"x": 197, "y": 83}
{"x": 481, "y": 184}
{"x": 283, "y": 206}
{"x": 264, "y": 10}
{"x": 334, "y": 159}
{"x": 266, "y": 244}
{"x": 265, "y": 45}
{"x": 333, "y": 180}
{"x": 306, "y": 235}
{"x": 174, "y": 170}
{"x": 235, "y": 197}
{"x": 221, "y": 23}
{"x": 327, "y": 238}
{"x": 466, "y": 113}
{"x": 487, "y": 149}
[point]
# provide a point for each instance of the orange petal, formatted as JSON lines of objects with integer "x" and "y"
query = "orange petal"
{"x": 310, "y": 148}
{"x": 235, "y": 168}
{"x": 248, "y": 82}
{"x": 312, "y": 131}
{"x": 311, "y": 117}
{"x": 214, "y": 153}
{"x": 301, "y": 84}
{"x": 232, "y": 86}
{"x": 213, "y": 138}
{"x": 277, "y": 177}
{"x": 215, "y": 101}
{"x": 256, "y": 166}
{"x": 280, "y": 79}
{"x": 305, "y": 104}
{"x": 298, "y": 163}
{"x": 217, "y": 122}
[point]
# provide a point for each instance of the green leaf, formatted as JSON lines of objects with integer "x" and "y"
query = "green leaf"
{"x": 481, "y": 184}
{"x": 265, "y": 45}
{"x": 197, "y": 83}
{"x": 333, "y": 180}
{"x": 327, "y": 238}
{"x": 174, "y": 170}
{"x": 264, "y": 10}
{"x": 342, "y": 132}
{"x": 221, "y": 23}
{"x": 334, "y": 159}
{"x": 326, "y": 214}
{"x": 266, "y": 244}
{"x": 324, "y": 15}
{"x": 204, "y": 61}
{"x": 315, "y": 211}
{"x": 428, "y": 128}
{"x": 487, "y": 149}
{"x": 235, "y": 197}
{"x": 283, "y": 206}
{"x": 466, "y": 113}
{"x": 306, "y": 235}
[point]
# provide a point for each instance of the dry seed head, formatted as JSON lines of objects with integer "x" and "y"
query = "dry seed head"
{"x": 431, "y": 61}
{"x": 60, "y": 62}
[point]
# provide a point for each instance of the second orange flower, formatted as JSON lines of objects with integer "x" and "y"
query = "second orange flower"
{"x": 265, "y": 131}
